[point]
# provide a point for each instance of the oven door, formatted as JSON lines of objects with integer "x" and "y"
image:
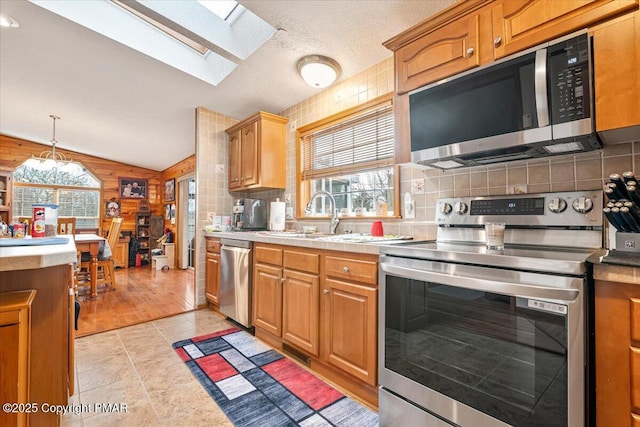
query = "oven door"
{"x": 480, "y": 346}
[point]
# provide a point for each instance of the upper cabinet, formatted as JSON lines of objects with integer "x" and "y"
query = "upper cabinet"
{"x": 257, "y": 153}
{"x": 477, "y": 32}
{"x": 519, "y": 24}
{"x": 441, "y": 53}
{"x": 616, "y": 63}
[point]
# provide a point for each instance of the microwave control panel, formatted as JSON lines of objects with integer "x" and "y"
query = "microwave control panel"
{"x": 569, "y": 80}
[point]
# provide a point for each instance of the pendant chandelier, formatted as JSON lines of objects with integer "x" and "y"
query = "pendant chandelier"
{"x": 49, "y": 159}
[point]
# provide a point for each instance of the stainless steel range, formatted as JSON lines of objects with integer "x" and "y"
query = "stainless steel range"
{"x": 476, "y": 337}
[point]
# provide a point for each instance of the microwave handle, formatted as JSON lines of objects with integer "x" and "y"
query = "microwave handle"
{"x": 540, "y": 82}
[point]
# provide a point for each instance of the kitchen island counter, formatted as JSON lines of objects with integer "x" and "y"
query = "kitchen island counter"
{"x": 31, "y": 257}
{"x": 49, "y": 270}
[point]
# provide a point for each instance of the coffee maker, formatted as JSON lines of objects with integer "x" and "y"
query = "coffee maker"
{"x": 249, "y": 214}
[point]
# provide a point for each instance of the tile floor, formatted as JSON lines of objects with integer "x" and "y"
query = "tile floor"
{"x": 137, "y": 366}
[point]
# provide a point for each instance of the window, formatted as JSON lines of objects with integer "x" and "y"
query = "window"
{"x": 350, "y": 155}
{"x": 72, "y": 188}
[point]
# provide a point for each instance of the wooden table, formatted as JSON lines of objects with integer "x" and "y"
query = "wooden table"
{"x": 91, "y": 243}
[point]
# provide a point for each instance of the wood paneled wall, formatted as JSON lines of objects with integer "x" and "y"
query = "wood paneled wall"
{"x": 14, "y": 151}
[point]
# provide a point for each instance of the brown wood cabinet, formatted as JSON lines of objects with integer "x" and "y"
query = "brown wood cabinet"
{"x": 121, "y": 253}
{"x": 257, "y": 153}
{"x": 350, "y": 319}
{"x": 212, "y": 269}
{"x": 286, "y": 290}
{"x": 324, "y": 304}
{"x": 519, "y": 24}
{"x": 444, "y": 52}
{"x": 6, "y": 192}
{"x": 616, "y": 54}
{"x": 617, "y": 341}
{"x": 51, "y": 331}
{"x": 478, "y": 32}
{"x": 15, "y": 336}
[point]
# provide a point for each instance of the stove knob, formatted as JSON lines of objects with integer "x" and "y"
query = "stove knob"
{"x": 460, "y": 207}
{"x": 557, "y": 205}
{"x": 445, "y": 208}
{"x": 582, "y": 205}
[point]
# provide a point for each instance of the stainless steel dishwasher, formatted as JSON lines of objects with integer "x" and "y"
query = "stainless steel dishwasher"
{"x": 235, "y": 280}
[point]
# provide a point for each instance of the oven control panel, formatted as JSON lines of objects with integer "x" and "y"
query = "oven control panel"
{"x": 572, "y": 208}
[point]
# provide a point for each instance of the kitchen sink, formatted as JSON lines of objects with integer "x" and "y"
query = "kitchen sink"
{"x": 293, "y": 234}
{"x": 362, "y": 238}
{"x": 338, "y": 238}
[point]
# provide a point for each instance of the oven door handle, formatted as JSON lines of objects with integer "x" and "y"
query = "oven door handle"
{"x": 496, "y": 287}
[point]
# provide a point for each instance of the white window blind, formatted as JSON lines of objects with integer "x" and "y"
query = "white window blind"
{"x": 359, "y": 142}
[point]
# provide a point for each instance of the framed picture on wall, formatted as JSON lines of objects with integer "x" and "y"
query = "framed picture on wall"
{"x": 112, "y": 209}
{"x": 167, "y": 211}
{"x": 170, "y": 190}
{"x": 132, "y": 188}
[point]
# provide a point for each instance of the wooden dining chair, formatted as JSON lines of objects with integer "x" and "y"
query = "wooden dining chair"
{"x": 67, "y": 225}
{"x": 106, "y": 270}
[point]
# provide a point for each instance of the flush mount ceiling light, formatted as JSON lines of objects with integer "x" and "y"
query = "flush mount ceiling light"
{"x": 318, "y": 71}
{"x": 7, "y": 21}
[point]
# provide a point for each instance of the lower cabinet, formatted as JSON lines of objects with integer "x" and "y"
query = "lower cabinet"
{"x": 15, "y": 336}
{"x": 212, "y": 271}
{"x": 350, "y": 319}
{"x": 323, "y": 304}
{"x": 267, "y": 298}
{"x": 617, "y": 342}
{"x": 300, "y": 310}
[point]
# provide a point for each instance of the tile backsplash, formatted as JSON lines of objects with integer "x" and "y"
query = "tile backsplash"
{"x": 587, "y": 171}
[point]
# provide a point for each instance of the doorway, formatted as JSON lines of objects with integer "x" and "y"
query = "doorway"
{"x": 187, "y": 221}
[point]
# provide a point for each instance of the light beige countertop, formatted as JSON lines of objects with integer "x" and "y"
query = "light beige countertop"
{"x": 306, "y": 242}
{"x": 32, "y": 257}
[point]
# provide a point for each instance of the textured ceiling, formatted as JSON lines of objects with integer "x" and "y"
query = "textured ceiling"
{"x": 122, "y": 105}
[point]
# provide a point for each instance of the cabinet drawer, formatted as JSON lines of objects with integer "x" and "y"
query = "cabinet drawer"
{"x": 213, "y": 246}
{"x": 635, "y": 319}
{"x": 634, "y": 372}
{"x": 268, "y": 255}
{"x": 9, "y": 317}
{"x": 302, "y": 261}
{"x": 361, "y": 271}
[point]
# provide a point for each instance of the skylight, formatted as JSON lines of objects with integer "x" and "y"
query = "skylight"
{"x": 184, "y": 34}
{"x": 222, "y": 8}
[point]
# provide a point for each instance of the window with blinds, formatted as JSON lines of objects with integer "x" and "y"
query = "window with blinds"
{"x": 350, "y": 155}
{"x": 363, "y": 141}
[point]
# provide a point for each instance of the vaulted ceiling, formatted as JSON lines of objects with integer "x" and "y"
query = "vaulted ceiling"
{"x": 123, "y": 105}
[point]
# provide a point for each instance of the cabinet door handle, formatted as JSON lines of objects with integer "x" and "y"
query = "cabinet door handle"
{"x": 235, "y": 180}
{"x": 325, "y": 291}
{"x": 282, "y": 279}
{"x": 470, "y": 52}
{"x": 497, "y": 41}
{"x": 345, "y": 269}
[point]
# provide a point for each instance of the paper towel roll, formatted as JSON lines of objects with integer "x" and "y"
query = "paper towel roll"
{"x": 277, "y": 216}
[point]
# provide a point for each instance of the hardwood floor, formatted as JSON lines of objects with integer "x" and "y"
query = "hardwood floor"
{"x": 142, "y": 295}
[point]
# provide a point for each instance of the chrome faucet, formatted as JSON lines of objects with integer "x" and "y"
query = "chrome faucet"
{"x": 332, "y": 206}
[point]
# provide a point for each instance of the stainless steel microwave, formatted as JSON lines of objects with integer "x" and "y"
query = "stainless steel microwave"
{"x": 533, "y": 104}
